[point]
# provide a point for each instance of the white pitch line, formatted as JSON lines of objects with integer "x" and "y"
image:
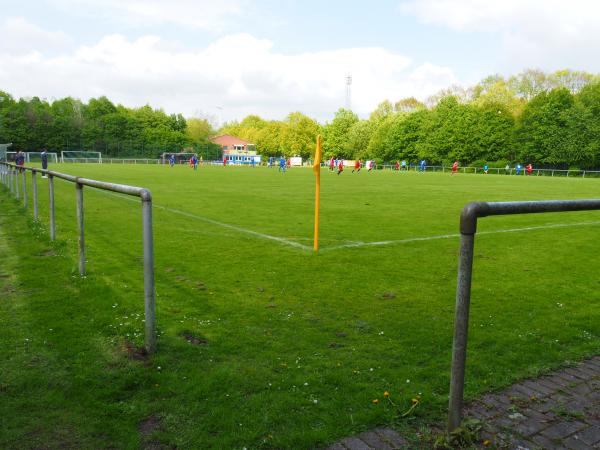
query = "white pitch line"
{"x": 352, "y": 244}
{"x": 221, "y": 224}
{"x": 448, "y": 236}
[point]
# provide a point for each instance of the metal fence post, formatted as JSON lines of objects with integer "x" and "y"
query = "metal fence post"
{"x": 35, "y": 194}
{"x": 80, "y": 226}
{"x": 149, "y": 300}
{"x": 468, "y": 228}
{"x": 17, "y": 184}
{"x": 51, "y": 207}
{"x": 24, "y": 177}
{"x": 461, "y": 328}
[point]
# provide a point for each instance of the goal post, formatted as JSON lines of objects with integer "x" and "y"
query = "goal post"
{"x": 37, "y": 157}
{"x": 72, "y": 156}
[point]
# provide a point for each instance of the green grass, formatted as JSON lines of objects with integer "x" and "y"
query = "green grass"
{"x": 298, "y": 344}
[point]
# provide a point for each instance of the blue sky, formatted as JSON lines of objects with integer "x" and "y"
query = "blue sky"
{"x": 230, "y": 58}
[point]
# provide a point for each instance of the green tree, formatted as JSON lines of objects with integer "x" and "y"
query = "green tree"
{"x": 299, "y": 135}
{"x": 542, "y": 130}
{"x": 199, "y": 130}
{"x": 335, "y": 134}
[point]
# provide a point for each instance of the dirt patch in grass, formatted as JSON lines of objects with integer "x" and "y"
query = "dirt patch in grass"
{"x": 194, "y": 340}
{"x": 9, "y": 289}
{"x": 148, "y": 426}
{"x": 388, "y": 295}
{"x": 136, "y": 353}
{"x": 47, "y": 252}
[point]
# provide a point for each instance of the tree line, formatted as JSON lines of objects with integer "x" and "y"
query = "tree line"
{"x": 548, "y": 119}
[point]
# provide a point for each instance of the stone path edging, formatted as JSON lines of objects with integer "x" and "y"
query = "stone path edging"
{"x": 558, "y": 411}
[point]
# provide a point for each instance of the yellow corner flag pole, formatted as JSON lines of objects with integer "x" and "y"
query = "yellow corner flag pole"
{"x": 317, "y": 170}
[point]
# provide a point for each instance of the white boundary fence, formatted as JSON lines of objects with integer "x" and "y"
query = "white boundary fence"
{"x": 501, "y": 171}
{"x": 15, "y": 179}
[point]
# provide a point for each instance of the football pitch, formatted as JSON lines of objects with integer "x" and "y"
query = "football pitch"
{"x": 263, "y": 343}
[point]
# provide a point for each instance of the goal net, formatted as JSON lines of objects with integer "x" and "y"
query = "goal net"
{"x": 180, "y": 158}
{"x": 37, "y": 157}
{"x": 71, "y": 156}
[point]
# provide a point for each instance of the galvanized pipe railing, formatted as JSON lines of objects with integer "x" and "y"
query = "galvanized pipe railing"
{"x": 468, "y": 227}
{"x": 10, "y": 174}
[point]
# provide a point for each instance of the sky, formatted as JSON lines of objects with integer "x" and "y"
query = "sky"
{"x": 225, "y": 59}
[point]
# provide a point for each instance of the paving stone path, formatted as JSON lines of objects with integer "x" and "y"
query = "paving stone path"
{"x": 557, "y": 411}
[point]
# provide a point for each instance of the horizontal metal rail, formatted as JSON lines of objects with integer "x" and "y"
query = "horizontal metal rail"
{"x": 468, "y": 228}
{"x": 9, "y": 175}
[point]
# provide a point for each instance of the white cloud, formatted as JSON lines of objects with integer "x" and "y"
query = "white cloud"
{"x": 550, "y": 34}
{"x": 18, "y": 36}
{"x": 240, "y": 73}
{"x": 203, "y": 14}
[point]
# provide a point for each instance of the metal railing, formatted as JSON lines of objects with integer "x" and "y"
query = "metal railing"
{"x": 10, "y": 175}
{"x": 468, "y": 227}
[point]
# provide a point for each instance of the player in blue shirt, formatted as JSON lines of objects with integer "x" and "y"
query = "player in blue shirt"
{"x": 172, "y": 160}
{"x": 485, "y": 169}
{"x": 518, "y": 169}
{"x": 422, "y": 166}
{"x": 282, "y": 164}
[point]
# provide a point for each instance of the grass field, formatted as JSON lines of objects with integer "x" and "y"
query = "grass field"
{"x": 289, "y": 348}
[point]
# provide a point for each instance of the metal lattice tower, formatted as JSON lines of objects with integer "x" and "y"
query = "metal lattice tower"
{"x": 349, "y": 92}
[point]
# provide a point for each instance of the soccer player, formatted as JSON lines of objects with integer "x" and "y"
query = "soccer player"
{"x": 485, "y": 169}
{"x": 507, "y": 169}
{"x": 331, "y": 164}
{"x": 224, "y": 161}
{"x": 369, "y": 165}
{"x": 282, "y": 164}
{"x": 357, "y": 166}
{"x": 340, "y": 166}
{"x": 44, "y": 161}
{"x": 422, "y": 166}
{"x": 397, "y": 165}
{"x": 191, "y": 162}
{"x": 201, "y": 159}
{"x": 518, "y": 169}
{"x": 454, "y": 167}
{"x": 270, "y": 161}
{"x": 195, "y": 162}
{"x": 171, "y": 160}
{"x": 403, "y": 164}
{"x": 529, "y": 169}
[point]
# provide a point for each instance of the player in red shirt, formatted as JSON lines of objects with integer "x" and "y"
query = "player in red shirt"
{"x": 454, "y": 167}
{"x": 397, "y": 165}
{"x": 224, "y": 160}
{"x": 340, "y": 166}
{"x": 357, "y": 166}
{"x": 529, "y": 169}
{"x": 332, "y": 164}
